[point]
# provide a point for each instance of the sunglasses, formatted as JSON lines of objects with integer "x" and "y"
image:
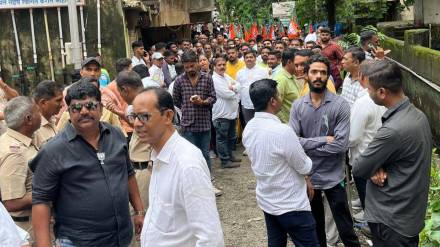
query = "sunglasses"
{"x": 90, "y": 106}
{"x": 143, "y": 117}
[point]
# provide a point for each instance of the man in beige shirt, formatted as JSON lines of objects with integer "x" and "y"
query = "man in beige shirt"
{"x": 16, "y": 150}
{"x": 48, "y": 95}
{"x": 129, "y": 85}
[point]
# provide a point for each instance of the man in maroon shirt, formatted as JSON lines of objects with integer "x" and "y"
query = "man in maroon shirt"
{"x": 334, "y": 53}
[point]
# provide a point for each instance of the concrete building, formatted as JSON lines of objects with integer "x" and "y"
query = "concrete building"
{"x": 122, "y": 21}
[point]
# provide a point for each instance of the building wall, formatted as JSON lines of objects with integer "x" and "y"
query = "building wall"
{"x": 426, "y": 12}
{"x": 171, "y": 13}
{"x": 431, "y": 11}
{"x": 113, "y": 38}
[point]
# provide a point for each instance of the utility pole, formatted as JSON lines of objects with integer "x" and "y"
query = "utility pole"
{"x": 74, "y": 34}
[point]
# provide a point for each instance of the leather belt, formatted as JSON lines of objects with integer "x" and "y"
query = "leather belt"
{"x": 20, "y": 219}
{"x": 142, "y": 165}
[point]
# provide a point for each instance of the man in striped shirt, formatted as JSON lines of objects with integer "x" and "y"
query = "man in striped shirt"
{"x": 279, "y": 164}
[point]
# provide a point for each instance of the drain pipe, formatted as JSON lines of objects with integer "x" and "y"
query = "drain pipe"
{"x": 98, "y": 9}
{"x": 17, "y": 43}
{"x": 83, "y": 32}
{"x": 20, "y": 62}
{"x": 34, "y": 47}
{"x": 49, "y": 48}
{"x": 60, "y": 27}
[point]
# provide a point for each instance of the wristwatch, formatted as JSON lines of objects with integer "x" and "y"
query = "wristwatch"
{"x": 142, "y": 212}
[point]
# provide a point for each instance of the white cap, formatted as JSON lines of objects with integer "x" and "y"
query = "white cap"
{"x": 157, "y": 55}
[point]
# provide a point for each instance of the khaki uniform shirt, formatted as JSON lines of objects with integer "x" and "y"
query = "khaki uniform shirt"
{"x": 16, "y": 150}
{"x": 138, "y": 151}
{"x": 47, "y": 130}
{"x": 107, "y": 116}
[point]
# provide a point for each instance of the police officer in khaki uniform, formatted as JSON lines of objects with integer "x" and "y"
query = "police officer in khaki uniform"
{"x": 48, "y": 95}
{"x": 16, "y": 150}
{"x": 129, "y": 85}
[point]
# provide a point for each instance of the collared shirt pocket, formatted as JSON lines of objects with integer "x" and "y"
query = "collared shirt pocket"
{"x": 163, "y": 216}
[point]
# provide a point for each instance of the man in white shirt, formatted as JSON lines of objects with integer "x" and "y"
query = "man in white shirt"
{"x": 245, "y": 77}
{"x": 138, "y": 53}
{"x": 182, "y": 209}
{"x": 224, "y": 114}
{"x": 156, "y": 73}
{"x": 11, "y": 234}
{"x": 280, "y": 166}
{"x": 365, "y": 120}
{"x": 351, "y": 62}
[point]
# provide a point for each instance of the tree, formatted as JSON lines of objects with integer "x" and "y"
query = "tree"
{"x": 245, "y": 11}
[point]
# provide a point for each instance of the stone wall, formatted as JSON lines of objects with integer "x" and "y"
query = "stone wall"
{"x": 426, "y": 63}
{"x": 112, "y": 36}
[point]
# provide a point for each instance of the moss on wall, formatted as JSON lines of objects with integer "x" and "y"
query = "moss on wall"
{"x": 426, "y": 63}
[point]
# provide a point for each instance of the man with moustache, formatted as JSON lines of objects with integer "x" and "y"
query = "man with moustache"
{"x": 233, "y": 65}
{"x": 48, "y": 95}
{"x": 194, "y": 94}
{"x": 245, "y": 77}
{"x": 86, "y": 174}
{"x": 334, "y": 53}
{"x": 182, "y": 210}
{"x": 322, "y": 122}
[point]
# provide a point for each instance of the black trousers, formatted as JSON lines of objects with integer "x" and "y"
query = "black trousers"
{"x": 337, "y": 200}
{"x": 383, "y": 236}
{"x": 361, "y": 187}
{"x": 299, "y": 225}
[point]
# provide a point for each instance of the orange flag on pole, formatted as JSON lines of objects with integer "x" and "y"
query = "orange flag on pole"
{"x": 293, "y": 31}
{"x": 271, "y": 34}
{"x": 232, "y": 31}
{"x": 264, "y": 32}
{"x": 254, "y": 31}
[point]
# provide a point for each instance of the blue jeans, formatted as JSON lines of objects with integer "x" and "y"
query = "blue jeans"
{"x": 300, "y": 226}
{"x": 64, "y": 242}
{"x": 225, "y": 138}
{"x": 200, "y": 140}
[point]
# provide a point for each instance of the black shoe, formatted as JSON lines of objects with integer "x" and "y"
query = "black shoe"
{"x": 229, "y": 164}
{"x": 234, "y": 159}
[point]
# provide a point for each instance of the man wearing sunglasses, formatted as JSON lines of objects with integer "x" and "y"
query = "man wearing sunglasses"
{"x": 85, "y": 172}
{"x": 182, "y": 210}
{"x": 106, "y": 116}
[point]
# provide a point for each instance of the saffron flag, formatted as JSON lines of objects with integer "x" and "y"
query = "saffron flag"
{"x": 264, "y": 32}
{"x": 293, "y": 31}
{"x": 271, "y": 34}
{"x": 254, "y": 31}
{"x": 247, "y": 35}
{"x": 232, "y": 31}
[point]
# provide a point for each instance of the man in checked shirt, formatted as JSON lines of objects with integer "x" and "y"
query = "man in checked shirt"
{"x": 194, "y": 93}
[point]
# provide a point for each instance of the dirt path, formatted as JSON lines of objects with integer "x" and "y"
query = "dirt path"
{"x": 242, "y": 220}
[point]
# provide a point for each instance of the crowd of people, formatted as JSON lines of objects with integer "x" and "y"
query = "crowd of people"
{"x": 129, "y": 162}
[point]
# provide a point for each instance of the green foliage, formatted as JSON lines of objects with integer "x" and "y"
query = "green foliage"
{"x": 430, "y": 235}
{"x": 245, "y": 11}
{"x": 353, "y": 39}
